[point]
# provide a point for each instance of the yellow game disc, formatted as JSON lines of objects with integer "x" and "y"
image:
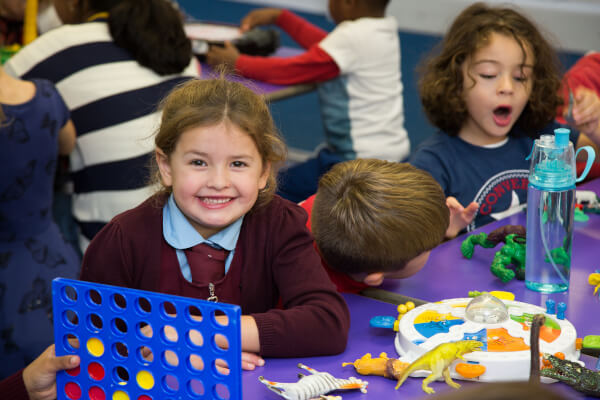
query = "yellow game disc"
{"x": 95, "y": 347}
{"x": 120, "y": 395}
{"x": 145, "y": 380}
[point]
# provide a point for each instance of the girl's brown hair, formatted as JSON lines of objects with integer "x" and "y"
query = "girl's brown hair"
{"x": 209, "y": 102}
{"x": 441, "y": 82}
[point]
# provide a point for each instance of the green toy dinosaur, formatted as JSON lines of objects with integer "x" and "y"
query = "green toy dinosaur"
{"x": 438, "y": 361}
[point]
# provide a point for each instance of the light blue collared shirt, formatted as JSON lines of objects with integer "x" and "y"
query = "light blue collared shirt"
{"x": 180, "y": 234}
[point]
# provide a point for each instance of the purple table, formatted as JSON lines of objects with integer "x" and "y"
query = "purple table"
{"x": 270, "y": 91}
{"x": 446, "y": 275}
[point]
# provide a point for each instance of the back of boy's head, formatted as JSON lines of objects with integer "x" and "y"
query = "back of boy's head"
{"x": 209, "y": 102}
{"x": 441, "y": 82}
{"x": 374, "y": 216}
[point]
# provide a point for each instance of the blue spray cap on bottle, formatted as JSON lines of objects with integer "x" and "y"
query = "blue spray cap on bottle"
{"x": 553, "y": 162}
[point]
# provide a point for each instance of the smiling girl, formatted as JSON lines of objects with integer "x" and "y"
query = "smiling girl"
{"x": 491, "y": 90}
{"x": 217, "y": 231}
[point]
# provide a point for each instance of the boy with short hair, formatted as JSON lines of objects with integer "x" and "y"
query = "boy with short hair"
{"x": 358, "y": 68}
{"x": 374, "y": 219}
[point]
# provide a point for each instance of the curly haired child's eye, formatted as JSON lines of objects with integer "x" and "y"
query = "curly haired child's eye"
{"x": 486, "y": 76}
{"x": 521, "y": 78}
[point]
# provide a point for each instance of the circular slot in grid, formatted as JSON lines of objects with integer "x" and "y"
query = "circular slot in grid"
{"x": 145, "y": 379}
{"x": 120, "y": 395}
{"x": 70, "y": 343}
{"x": 72, "y": 391}
{"x": 120, "y": 375}
{"x": 170, "y": 359}
{"x": 118, "y": 302}
{"x": 144, "y": 330}
{"x": 96, "y": 371}
{"x": 93, "y": 298}
{"x": 73, "y": 371}
{"x": 168, "y": 310}
{"x": 96, "y": 393}
{"x": 220, "y": 342}
{"x": 70, "y": 318}
{"x": 94, "y": 323}
{"x": 193, "y": 314}
{"x": 221, "y": 367}
{"x": 194, "y": 338}
{"x": 195, "y": 363}
{"x": 95, "y": 347}
{"x": 119, "y": 326}
{"x": 69, "y": 295}
{"x": 143, "y": 306}
{"x": 220, "y": 317}
{"x": 170, "y": 383}
{"x": 195, "y": 387}
{"x": 120, "y": 351}
{"x": 221, "y": 391}
{"x": 169, "y": 334}
{"x": 144, "y": 355}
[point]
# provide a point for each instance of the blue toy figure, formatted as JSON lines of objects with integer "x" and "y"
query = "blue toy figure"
{"x": 561, "y": 308}
{"x": 135, "y": 344}
{"x": 550, "y": 306}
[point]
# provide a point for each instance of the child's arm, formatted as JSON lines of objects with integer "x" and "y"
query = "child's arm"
{"x": 66, "y": 138}
{"x": 315, "y": 65}
{"x": 310, "y": 318}
{"x": 302, "y": 31}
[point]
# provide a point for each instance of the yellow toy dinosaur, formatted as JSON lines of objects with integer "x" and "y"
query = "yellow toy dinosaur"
{"x": 438, "y": 361}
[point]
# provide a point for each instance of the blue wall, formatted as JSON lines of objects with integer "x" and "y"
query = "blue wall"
{"x": 299, "y": 118}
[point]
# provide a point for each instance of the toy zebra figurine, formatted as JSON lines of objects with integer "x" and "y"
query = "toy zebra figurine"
{"x": 314, "y": 386}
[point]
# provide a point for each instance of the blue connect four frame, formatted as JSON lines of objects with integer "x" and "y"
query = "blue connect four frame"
{"x": 139, "y": 345}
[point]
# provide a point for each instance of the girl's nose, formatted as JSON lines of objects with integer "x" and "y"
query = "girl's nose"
{"x": 219, "y": 178}
{"x": 505, "y": 85}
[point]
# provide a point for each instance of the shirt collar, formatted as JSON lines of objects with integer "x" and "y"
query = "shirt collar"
{"x": 180, "y": 234}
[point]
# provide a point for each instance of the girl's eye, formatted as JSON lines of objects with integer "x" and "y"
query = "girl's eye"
{"x": 521, "y": 78}
{"x": 238, "y": 164}
{"x": 199, "y": 163}
{"x": 487, "y": 76}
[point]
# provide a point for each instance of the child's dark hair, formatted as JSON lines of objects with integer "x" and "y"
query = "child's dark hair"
{"x": 441, "y": 82}
{"x": 209, "y": 102}
{"x": 374, "y": 216}
{"x": 150, "y": 30}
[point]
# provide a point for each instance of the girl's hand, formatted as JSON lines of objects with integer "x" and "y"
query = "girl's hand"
{"x": 227, "y": 55}
{"x": 460, "y": 217}
{"x": 262, "y": 16}
{"x": 39, "y": 377}
{"x": 586, "y": 111}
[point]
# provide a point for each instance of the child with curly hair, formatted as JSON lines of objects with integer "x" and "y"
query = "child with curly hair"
{"x": 492, "y": 89}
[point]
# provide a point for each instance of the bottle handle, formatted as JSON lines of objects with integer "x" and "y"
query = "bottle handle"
{"x": 590, "y": 161}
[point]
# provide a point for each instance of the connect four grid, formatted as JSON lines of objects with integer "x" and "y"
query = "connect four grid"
{"x": 139, "y": 345}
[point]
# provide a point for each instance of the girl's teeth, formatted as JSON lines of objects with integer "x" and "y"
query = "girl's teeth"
{"x": 215, "y": 201}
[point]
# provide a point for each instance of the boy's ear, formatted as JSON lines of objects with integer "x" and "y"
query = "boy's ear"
{"x": 374, "y": 279}
{"x": 164, "y": 167}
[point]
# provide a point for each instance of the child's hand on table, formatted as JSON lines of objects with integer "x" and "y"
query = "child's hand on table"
{"x": 227, "y": 55}
{"x": 262, "y": 16}
{"x": 460, "y": 217}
